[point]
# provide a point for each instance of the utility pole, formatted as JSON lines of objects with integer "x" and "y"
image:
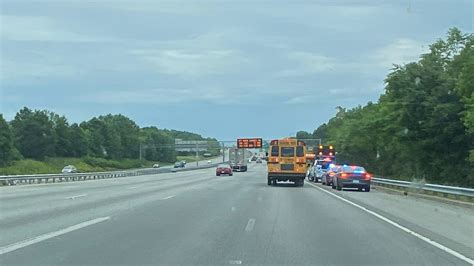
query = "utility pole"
{"x": 223, "y": 152}
{"x": 140, "y": 151}
{"x": 197, "y": 155}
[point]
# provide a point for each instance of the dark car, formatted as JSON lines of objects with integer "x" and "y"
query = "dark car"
{"x": 328, "y": 175}
{"x": 258, "y": 160}
{"x": 352, "y": 177}
{"x": 179, "y": 164}
{"x": 224, "y": 169}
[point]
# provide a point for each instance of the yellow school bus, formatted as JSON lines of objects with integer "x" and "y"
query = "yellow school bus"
{"x": 286, "y": 161}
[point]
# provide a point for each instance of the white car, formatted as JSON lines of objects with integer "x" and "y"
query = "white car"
{"x": 209, "y": 162}
{"x": 156, "y": 165}
{"x": 69, "y": 169}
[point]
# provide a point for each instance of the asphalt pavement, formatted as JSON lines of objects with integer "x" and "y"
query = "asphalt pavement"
{"x": 197, "y": 218}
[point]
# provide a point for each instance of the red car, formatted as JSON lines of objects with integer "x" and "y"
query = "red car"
{"x": 224, "y": 169}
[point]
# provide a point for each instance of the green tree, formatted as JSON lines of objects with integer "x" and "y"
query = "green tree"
{"x": 6, "y": 142}
{"x": 122, "y": 136}
{"x": 63, "y": 136}
{"x": 159, "y": 146}
{"x": 34, "y": 133}
{"x": 79, "y": 144}
{"x": 422, "y": 126}
{"x": 95, "y": 130}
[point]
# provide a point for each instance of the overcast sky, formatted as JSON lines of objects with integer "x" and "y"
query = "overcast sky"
{"x": 224, "y": 69}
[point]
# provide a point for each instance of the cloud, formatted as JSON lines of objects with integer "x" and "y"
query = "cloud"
{"x": 191, "y": 62}
{"x": 39, "y": 28}
{"x": 307, "y": 63}
{"x": 400, "y": 51}
{"x": 180, "y": 7}
{"x": 30, "y": 72}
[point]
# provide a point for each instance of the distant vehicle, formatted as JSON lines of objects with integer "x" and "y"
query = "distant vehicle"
{"x": 156, "y": 165}
{"x": 238, "y": 160}
{"x": 183, "y": 162}
{"x": 250, "y": 160}
{"x": 209, "y": 162}
{"x": 224, "y": 169}
{"x": 207, "y": 154}
{"x": 254, "y": 158}
{"x": 239, "y": 167}
{"x": 179, "y": 164}
{"x": 328, "y": 175}
{"x": 258, "y": 160}
{"x": 352, "y": 177}
{"x": 69, "y": 169}
{"x": 287, "y": 161}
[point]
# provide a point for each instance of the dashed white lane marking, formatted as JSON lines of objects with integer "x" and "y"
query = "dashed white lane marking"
{"x": 403, "y": 228}
{"x": 47, "y": 236}
{"x": 233, "y": 209}
{"x": 77, "y": 196}
{"x": 235, "y": 262}
{"x": 169, "y": 197}
{"x": 250, "y": 225}
{"x": 133, "y": 187}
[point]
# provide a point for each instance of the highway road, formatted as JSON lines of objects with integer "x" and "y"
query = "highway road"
{"x": 194, "y": 217}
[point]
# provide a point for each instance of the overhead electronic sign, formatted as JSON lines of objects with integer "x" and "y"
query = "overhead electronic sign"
{"x": 253, "y": 143}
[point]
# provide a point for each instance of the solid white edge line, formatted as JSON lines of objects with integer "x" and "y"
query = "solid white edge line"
{"x": 37, "y": 239}
{"x": 419, "y": 236}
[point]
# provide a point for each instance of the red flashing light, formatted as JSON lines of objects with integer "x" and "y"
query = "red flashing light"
{"x": 368, "y": 176}
{"x": 344, "y": 175}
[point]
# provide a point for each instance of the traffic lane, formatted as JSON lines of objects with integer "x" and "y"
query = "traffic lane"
{"x": 451, "y": 225}
{"x": 36, "y": 207}
{"x": 154, "y": 226}
{"x": 49, "y": 216}
{"x": 238, "y": 221}
{"x": 41, "y": 218}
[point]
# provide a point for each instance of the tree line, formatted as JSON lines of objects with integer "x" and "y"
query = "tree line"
{"x": 37, "y": 134}
{"x": 422, "y": 126}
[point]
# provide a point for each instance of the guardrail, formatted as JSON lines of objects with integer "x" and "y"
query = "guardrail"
{"x": 458, "y": 193}
{"x": 53, "y": 178}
